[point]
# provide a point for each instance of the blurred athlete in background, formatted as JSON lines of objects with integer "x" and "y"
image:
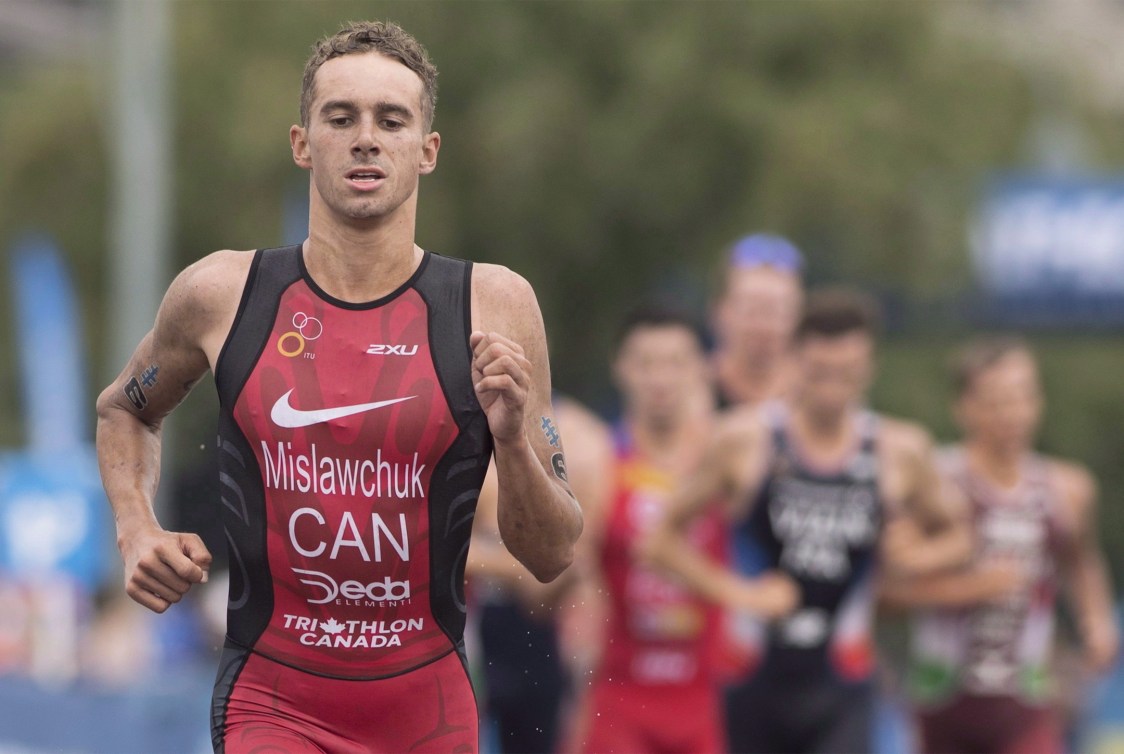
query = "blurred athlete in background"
{"x": 753, "y": 317}
{"x": 525, "y": 665}
{"x": 981, "y": 678}
{"x": 820, "y": 489}
{"x": 653, "y": 689}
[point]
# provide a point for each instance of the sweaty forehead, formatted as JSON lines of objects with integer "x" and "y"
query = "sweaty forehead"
{"x": 1015, "y": 367}
{"x": 367, "y": 78}
{"x": 761, "y": 281}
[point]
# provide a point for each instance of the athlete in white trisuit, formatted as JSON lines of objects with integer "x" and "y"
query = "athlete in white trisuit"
{"x": 982, "y": 677}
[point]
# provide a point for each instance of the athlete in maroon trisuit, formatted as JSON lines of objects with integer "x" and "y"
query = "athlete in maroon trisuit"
{"x": 654, "y": 687}
{"x": 364, "y": 385}
{"x": 983, "y": 635}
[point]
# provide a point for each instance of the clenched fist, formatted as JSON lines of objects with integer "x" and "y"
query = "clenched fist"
{"x": 160, "y": 566}
{"x": 501, "y": 375}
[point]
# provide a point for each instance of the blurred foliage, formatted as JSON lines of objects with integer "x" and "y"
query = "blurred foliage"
{"x": 604, "y": 150}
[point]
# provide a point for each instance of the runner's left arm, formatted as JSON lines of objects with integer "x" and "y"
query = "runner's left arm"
{"x": 539, "y": 518}
{"x": 1086, "y": 573}
{"x": 731, "y": 469}
{"x": 490, "y": 561}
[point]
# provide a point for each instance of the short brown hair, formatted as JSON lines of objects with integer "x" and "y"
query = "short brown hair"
{"x": 979, "y": 355}
{"x": 657, "y": 315}
{"x": 830, "y": 312}
{"x": 384, "y": 37}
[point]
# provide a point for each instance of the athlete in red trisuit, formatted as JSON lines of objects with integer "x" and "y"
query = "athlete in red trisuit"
{"x": 364, "y": 384}
{"x": 655, "y": 687}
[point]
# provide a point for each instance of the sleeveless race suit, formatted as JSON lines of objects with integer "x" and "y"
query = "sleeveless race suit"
{"x": 980, "y": 677}
{"x": 655, "y": 688}
{"x": 809, "y": 685}
{"x": 352, "y": 449}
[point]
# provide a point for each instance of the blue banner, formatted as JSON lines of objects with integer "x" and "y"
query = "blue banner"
{"x": 54, "y": 518}
{"x": 52, "y": 367}
{"x": 1050, "y": 235}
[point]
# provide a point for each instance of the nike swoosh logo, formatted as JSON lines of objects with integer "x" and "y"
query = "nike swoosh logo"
{"x": 284, "y": 415}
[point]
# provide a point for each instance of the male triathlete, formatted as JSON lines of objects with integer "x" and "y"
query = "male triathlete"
{"x": 364, "y": 384}
{"x": 822, "y": 489}
{"x": 983, "y": 635}
{"x": 655, "y": 687}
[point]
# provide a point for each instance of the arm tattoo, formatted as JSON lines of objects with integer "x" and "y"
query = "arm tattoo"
{"x": 148, "y": 376}
{"x": 135, "y": 394}
{"x": 558, "y": 463}
{"x": 550, "y": 431}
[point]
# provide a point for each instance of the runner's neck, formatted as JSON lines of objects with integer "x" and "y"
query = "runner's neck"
{"x": 750, "y": 383}
{"x": 358, "y": 274}
{"x": 823, "y": 440}
{"x": 671, "y": 444}
{"x": 1001, "y": 466}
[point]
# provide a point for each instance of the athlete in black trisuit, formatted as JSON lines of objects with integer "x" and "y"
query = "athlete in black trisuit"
{"x": 364, "y": 385}
{"x": 820, "y": 490}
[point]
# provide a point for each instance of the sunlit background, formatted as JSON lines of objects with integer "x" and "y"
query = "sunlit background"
{"x": 962, "y": 161}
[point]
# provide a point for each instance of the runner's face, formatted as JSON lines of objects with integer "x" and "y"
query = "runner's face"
{"x": 758, "y": 312}
{"x": 1003, "y": 404}
{"x": 659, "y": 370}
{"x": 833, "y": 372}
{"x": 365, "y": 141}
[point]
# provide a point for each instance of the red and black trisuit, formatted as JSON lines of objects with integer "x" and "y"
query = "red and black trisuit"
{"x": 352, "y": 449}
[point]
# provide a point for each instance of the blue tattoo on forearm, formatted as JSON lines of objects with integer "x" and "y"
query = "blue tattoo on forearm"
{"x": 551, "y": 432}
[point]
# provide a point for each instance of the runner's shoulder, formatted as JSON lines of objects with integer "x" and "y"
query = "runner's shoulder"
{"x": 501, "y": 296}
{"x": 500, "y": 282}
{"x": 575, "y": 418}
{"x": 1074, "y": 480}
{"x": 207, "y": 290}
{"x": 904, "y": 437}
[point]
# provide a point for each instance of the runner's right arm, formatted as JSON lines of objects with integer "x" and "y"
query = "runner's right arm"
{"x": 952, "y": 589}
{"x": 731, "y": 468}
{"x": 161, "y": 566}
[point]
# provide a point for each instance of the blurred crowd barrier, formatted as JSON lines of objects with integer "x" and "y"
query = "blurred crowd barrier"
{"x": 115, "y": 679}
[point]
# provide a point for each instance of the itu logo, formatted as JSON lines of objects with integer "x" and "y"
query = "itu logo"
{"x": 293, "y": 343}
